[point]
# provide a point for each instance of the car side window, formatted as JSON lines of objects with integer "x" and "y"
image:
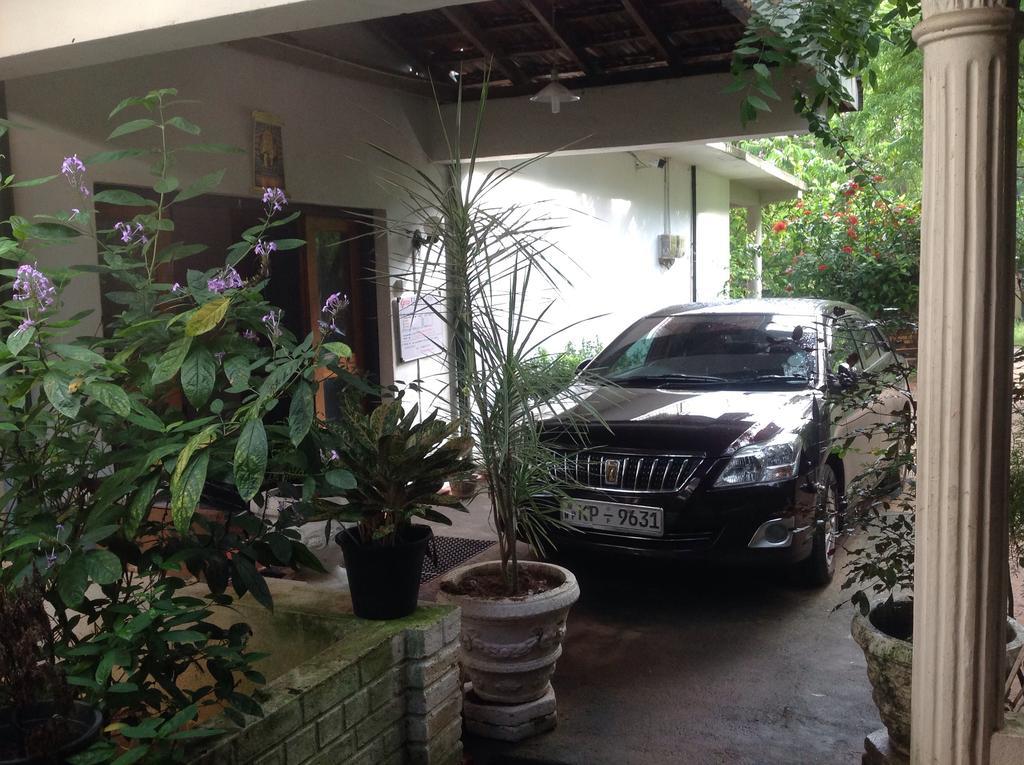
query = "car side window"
{"x": 844, "y": 349}
{"x": 867, "y": 344}
{"x": 635, "y": 356}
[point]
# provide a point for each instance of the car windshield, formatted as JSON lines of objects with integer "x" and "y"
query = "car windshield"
{"x": 712, "y": 349}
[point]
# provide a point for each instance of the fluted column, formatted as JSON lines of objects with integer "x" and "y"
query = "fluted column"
{"x": 970, "y": 104}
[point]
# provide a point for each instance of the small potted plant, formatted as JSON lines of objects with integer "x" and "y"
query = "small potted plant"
{"x": 40, "y": 721}
{"x": 396, "y": 468}
{"x": 881, "y": 572}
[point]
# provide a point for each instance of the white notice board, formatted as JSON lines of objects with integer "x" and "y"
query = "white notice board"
{"x": 421, "y": 330}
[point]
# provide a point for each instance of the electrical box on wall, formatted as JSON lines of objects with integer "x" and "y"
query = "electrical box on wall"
{"x": 670, "y": 249}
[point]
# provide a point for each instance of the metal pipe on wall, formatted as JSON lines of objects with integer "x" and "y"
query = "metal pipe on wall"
{"x": 693, "y": 233}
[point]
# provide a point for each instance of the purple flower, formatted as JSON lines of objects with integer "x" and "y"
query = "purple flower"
{"x": 249, "y": 335}
{"x": 272, "y": 321}
{"x": 176, "y": 288}
{"x": 335, "y": 303}
{"x": 226, "y": 280}
{"x": 129, "y": 232}
{"x": 73, "y": 169}
{"x": 26, "y": 323}
{"x": 51, "y": 558}
{"x": 274, "y": 200}
{"x": 219, "y": 355}
{"x": 30, "y": 284}
{"x": 263, "y": 249}
{"x": 334, "y": 455}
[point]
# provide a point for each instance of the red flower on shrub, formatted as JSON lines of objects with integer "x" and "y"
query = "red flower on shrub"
{"x": 779, "y": 226}
{"x": 851, "y": 188}
{"x": 852, "y": 219}
{"x": 807, "y": 212}
{"x": 851, "y": 232}
{"x": 788, "y": 271}
{"x": 877, "y": 178}
{"x": 847, "y": 249}
{"x": 789, "y": 288}
{"x": 822, "y": 266}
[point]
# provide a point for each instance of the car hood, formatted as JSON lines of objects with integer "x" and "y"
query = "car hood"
{"x": 712, "y": 422}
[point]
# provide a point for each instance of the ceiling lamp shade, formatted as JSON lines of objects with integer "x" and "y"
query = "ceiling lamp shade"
{"x": 556, "y": 94}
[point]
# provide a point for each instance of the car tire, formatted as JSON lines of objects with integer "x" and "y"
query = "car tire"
{"x": 819, "y": 568}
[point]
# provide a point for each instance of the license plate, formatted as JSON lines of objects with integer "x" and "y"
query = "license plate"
{"x": 629, "y": 519}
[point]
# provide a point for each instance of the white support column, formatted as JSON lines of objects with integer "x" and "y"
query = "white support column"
{"x": 970, "y": 108}
{"x": 754, "y": 227}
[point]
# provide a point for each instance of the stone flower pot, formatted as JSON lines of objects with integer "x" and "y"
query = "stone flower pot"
{"x": 883, "y": 634}
{"x": 510, "y": 645}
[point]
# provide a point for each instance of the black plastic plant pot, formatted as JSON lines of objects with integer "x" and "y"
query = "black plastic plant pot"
{"x": 74, "y": 732}
{"x": 384, "y": 580}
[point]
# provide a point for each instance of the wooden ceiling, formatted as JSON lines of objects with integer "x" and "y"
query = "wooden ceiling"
{"x": 588, "y": 43}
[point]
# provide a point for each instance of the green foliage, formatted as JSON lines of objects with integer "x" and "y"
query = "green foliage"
{"x": 398, "y": 467}
{"x": 556, "y": 371}
{"x": 99, "y": 434}
{"x": 850, "y": 246}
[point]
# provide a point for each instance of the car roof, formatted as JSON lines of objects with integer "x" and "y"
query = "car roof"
{"x": 810, "y": 307}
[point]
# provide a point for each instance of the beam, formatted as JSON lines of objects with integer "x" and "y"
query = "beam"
{"x": 641, "y": 15}
{"x": 69, "y": 34}
{"x": 739, "y": 9}
{"x": 481, "y": 41}
{"x": 544, "y": 13}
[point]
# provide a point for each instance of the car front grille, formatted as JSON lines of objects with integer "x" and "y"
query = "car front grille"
{"x": 631, "y": 473}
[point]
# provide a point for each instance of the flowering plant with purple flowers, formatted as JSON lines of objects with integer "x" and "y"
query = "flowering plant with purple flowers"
{"x": 136, "y": 458}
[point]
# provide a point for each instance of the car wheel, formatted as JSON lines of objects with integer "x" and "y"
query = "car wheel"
{"x": 819, "y": 568}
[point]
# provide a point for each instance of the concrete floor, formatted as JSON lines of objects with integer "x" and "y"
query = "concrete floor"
{"x": 671, "y": 664}
{"x": 667, "y": 664}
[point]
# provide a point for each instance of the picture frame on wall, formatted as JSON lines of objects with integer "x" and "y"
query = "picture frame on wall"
{"x": 267, "y": 151}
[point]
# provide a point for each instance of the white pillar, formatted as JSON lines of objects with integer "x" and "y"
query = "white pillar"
{"x": 754, "y": 227}
{"x": 970, "y": 108}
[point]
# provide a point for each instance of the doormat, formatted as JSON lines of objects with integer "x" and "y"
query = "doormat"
{"x": 445, "y": 553}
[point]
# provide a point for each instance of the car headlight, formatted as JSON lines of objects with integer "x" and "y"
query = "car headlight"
{"x": 774, "y": 461}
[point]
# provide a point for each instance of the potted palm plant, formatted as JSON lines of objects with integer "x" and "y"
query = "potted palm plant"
{"x": 489, "y": 262}
{"x": 398, "y": 465}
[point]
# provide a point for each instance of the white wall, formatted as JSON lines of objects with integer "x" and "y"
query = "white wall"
{"x": 328, "y": 122}
{"x": 612, "y": 214}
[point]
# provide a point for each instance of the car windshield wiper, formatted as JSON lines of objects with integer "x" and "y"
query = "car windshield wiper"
{"x": 666, "y": 379}
{"x": 775, "y": 378}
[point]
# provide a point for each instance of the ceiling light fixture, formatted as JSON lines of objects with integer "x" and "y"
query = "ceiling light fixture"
{"x": 555, "y": 93}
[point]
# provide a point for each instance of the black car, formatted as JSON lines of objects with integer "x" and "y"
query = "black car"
{"x": 709, "y": 432}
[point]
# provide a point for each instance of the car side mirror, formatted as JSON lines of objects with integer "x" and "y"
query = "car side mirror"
{"x": 583, "y": 365}
{"x": 843, "y": 379}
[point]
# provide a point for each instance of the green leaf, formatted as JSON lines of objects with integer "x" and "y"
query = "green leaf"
{"x": 122, "y": 197}
{"x": 56, "y": 388}
{"x": 46, "y": 231}
{"x": 341, "y": 350}
{"x": 300, "y": 413}
{"x": 140, "y": 504}
{"x": 185, "y": 636}
{"x": 762, "y": 70}
{"x": 115, "y": 155}
{"x": 132, "y": 126}
{"x": 186, "y": 489}
{"x": 207, "y": 316}
{"x": 758, "y": 103}
{"x": 32, "y": 182}
{"x": 72, "y": 580}
{"x": 124, "y": 104}
{"x": 79, "y": 353}
{"x": 19, "y": 338}
{"x": 340, "y": 479}
{"x": 207, "y": 183}
{"x": 250, "y": 459}
{"x": 103, "y": 566}
{"x": 166, "y": 185}
{"x": 246, "y": 572}
{"x": 133, "y": 755}
{"x": 236, "y": 368}
{"x": 198, "y": 374}
{"x": 289, "y": 244}
{"x": 111, "y": 396}
{"x": 184, "y": 125}
{"x": 169, "y": 364}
